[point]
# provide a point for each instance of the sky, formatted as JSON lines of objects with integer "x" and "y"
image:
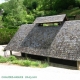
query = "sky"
{"x": 1, "y": 1}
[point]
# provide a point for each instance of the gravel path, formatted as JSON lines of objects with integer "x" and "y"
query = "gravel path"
{"x": 14, "y": 72}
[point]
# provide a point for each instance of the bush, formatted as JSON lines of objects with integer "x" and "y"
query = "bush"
{"x": 12, "y": 58}
{"x": 30, "y": 19}
{"x": 35, "y": 63}
{"x": 15, "y": 62}
{"x": 27, "y": 63}
{"x": 3, "y": 59}
{"x": 61, "y": 5}
{"x": 22, "y": 62}
{"x": 19, "y": 62}
{"x": 77, "y": 2}
{"x": 6, "y": 34}
{"x": 45, "y": 65}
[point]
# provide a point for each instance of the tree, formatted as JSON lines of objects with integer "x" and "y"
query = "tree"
{"x": 63, "y": 4}
{"x": 16, "y": 14}
{"x": 34, "y": 5}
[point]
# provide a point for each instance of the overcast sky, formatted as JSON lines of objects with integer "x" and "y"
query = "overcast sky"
{"x": 1, "y": 1}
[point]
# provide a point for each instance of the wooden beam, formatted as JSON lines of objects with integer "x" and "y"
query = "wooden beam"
{"x": 10, "y": 52}
{"x": 78, "y": 65}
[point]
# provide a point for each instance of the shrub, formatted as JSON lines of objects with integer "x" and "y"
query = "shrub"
{"x": 45, "y": 64}
{"x": 27, "y": 63}
{"x": 12, "y": 58}
{"x": 0, "y": 56}
{"x": 15, "y": 62}
{"x": 77, "y": 2}
{"x": 34, "y": 4}
{"x": 19, "y": 62}
{"x": 61, "y": 5}
{"x": 30, "y": 18}
{"x": 22, "y": 62}
{"x": 3, "y": 59}
{"x": 6, "y": 34}
{"x": 35, "y": 63}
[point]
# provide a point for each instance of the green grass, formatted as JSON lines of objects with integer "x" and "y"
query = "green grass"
{"x": 23, "y": 62}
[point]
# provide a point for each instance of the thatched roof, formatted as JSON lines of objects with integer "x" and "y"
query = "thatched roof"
{"x": 48, "y": 19}
{"x": 58, "y": 42}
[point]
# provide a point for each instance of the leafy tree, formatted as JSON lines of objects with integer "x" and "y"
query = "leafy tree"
{"x": 63, "y": 4}
{"x": 34, "y": 5}
{"x": 77, "y": 2}
{"x": 16, "y": 14}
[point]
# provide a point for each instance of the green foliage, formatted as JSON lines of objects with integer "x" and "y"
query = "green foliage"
{"x": 1, "y": 23}
{"x": 37, "y": 13}
{"x": 34, "y": 5}
{"x": 12, "y": 58}
{"x": 62, "y": 5}
{"x": 27, "y": 62}
{"x": 30, "y": 18}
{"x": 31, "y": 63}
{"x": 77, "y": 3}
{"x": 35, "y": 63}
{"x": 6, "y": 34}
{"x": 74, "y": 11}
{"x": 22, "y": 62}
{"x": 17, "y": 12}
{"x": 48, "y": 5}
{"x": 45, "y": 65}
{"x": 16, "y": 62}
{"x": 5, "y": 6}
{"x": 19, "y": 62}
{"x": 3, "y": 59}
{"x": 12, "y": 20}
